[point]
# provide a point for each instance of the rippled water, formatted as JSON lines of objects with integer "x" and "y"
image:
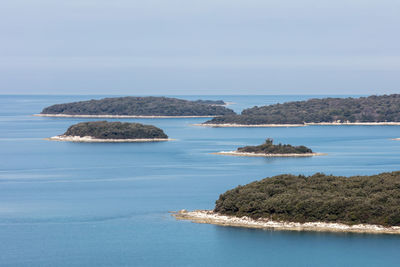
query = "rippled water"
{"x": 93, "y": 204}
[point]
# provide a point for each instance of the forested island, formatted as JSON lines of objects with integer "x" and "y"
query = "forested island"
{"x": 370, "y": 110}
{"x": 211, "y": 102}
{"x": 103, "y": 131}
{"x": 268, "y": 149}
{"x": 138, "y": 107}
{"x": 319, "y": 202}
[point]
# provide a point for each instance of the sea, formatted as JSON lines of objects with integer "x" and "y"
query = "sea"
{"x": 108, "y": 204}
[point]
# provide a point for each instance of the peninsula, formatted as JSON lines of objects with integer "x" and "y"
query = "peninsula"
{"x": 372, "y": 110}
{"x": 268, "y": 149}
{"x": 138, "y": 107}
{"x": 103, "y": 131}
{"x": 368, "y": 204}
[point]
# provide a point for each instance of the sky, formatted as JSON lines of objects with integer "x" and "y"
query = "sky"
{"x": 199, "y": 47}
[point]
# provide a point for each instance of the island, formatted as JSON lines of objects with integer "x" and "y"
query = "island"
{"x": 211, "y": 102}
{"x": 138, "y": 107}
{"x": 268, "y": 149}
{"x": 104, "y": 131}
{"x": 372, "y": 110}
{"x": 362, "y": 204}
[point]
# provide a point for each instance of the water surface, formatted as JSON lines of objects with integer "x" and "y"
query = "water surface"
{"x": 93, "y": 204}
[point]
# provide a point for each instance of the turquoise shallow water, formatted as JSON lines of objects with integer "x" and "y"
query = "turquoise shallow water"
{"x": 76, "y": 204}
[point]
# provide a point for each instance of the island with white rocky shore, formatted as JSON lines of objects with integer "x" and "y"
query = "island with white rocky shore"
{"x": 359, "y": 204}
{"x": 211, "y": 217}
{"x": 268, "y": 149}
{"x": 366, "y": 111}
{"x": 112, "y": 132}
{"x": 138, "y": 107}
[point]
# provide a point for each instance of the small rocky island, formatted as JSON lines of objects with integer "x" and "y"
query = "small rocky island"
{"x": 138, "y": 107}
{"x": 372, "y": 110}
{"x": 268, "y": 149}
{"x": 103, "y": 131}
{"x": 368, "y": 204}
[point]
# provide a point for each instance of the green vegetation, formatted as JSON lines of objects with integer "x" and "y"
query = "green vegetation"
{"x": 364, "y": 109}
{"x": 351, "y": 200}
{"x": 115, "y": 130}
{"x": 140, "y": 106}
{"x": 211, "y": 102}
{"x": 269, "y": 148}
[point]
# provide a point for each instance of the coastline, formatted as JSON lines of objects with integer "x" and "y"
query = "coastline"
{"x": 226, "y": 125}
{"x": 89, "y": 139}
{"x": 247, "y": 154}
{"x": 120, "y": 116}
{"x": 210, "y": 217}
{"x": 228, "y": 104}
{"x": 223, "y": 105}
{"x": 396, "y": 139}
{"x": 354, "y": 123}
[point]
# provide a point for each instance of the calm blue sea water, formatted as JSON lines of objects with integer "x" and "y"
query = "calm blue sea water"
{"x": 76, "y": 204}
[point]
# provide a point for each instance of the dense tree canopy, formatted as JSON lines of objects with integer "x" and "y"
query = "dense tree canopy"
{"x": 115, "y": 130}
{"x": 140, "y": 106}
{"x": 269, "y": 148}
{"x": 210, "y": 102}
{"x": 364, "y": 109}
{"x": 358, "y": 199}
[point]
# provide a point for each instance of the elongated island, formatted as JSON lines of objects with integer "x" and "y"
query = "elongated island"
{"x": 138, "y": 107}
{"x": 103, "y": 131}
{"x": 361, "y": 204}
{"x": 372, "y": 110}
{"x": 211, "y": 102}
{"x": 268, "y": 149}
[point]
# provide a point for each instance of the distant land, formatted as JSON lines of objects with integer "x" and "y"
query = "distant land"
{"x": 316, "y": 203}
{"x": 103, "y": 131}
{"x": 268, "y": 149}
{"x": 211, "y": 102}
{"x": 372, "y": 110}
{"x": 138, "y": 107}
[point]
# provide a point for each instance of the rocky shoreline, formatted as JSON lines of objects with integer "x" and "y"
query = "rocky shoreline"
{"x": 89, "y": 139}
{"x": 210, "y": 217}
{"x": 355, "y": 123}
{"x": 232, "y": 125}
{"x": 247, "y": 154}
{"x": 120, "y": 116}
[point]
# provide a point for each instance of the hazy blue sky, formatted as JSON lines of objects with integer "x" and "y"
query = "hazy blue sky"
{"x": 199, "y": 47}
